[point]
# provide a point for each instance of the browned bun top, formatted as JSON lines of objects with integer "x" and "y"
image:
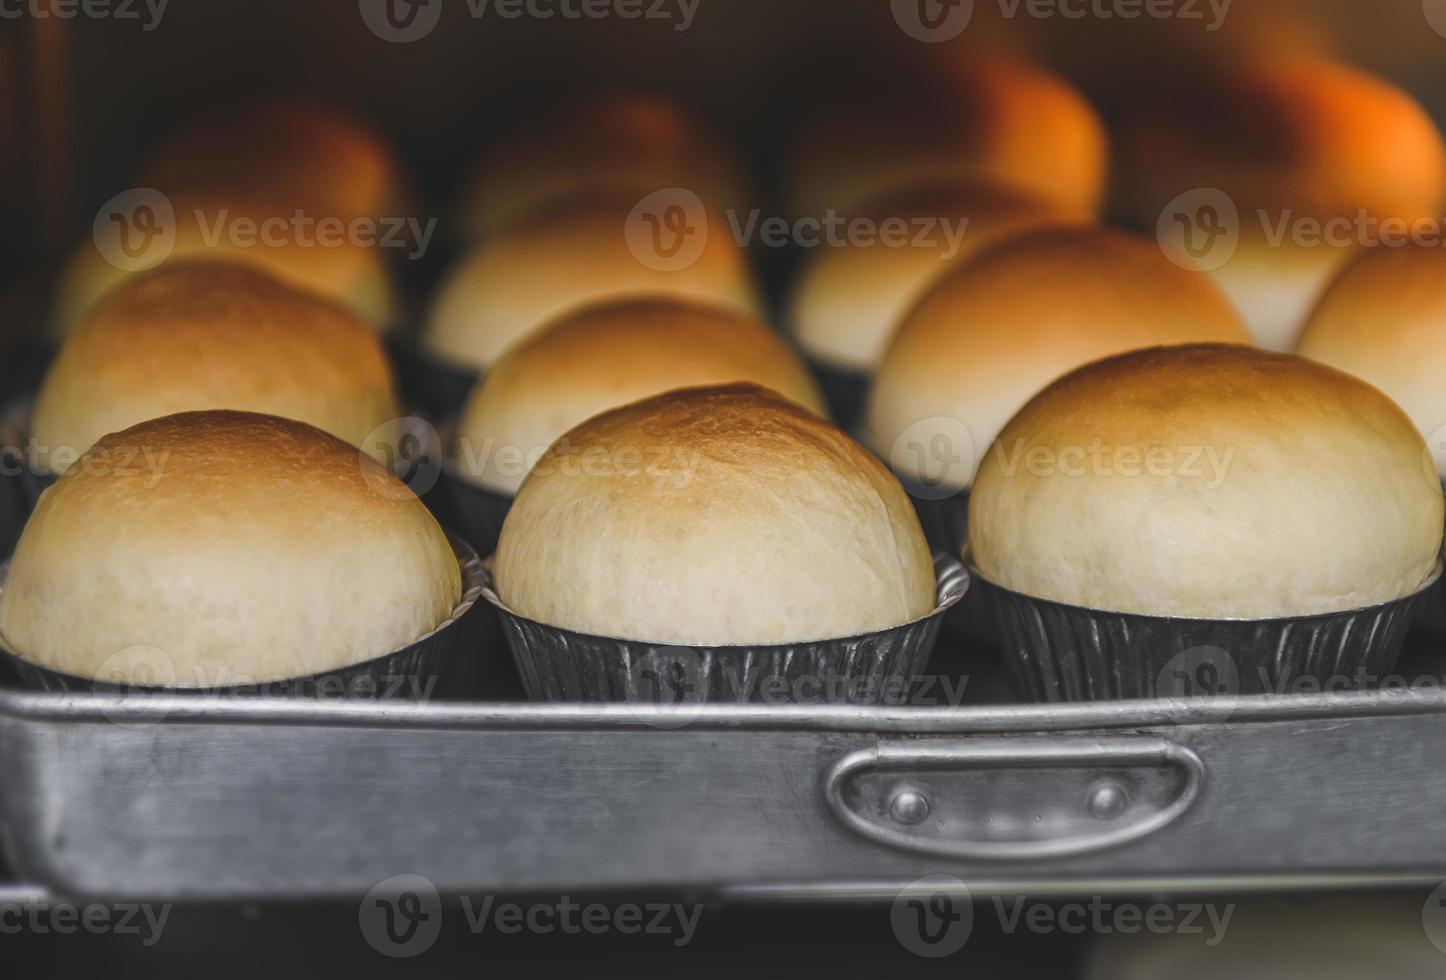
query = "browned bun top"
{"x": 725, "y": 515}
{"x": 1383, "y": 319}
{"x": 202, "y": 334}
{"x": 996, "y": 119}
{"x": 304, "y": 153}
{"x": 1208, "y": 481}
{"x": 601, "y": 357}
{"x": 635, "y": 139}
{"x": 239, "y": 546}
{"x": 989, "y": 334}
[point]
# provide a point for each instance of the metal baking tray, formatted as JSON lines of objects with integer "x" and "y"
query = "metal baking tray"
{"x": 172, "y": 798}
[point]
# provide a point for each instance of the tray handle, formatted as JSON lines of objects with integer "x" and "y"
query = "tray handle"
{"x": 1117, "y": 790}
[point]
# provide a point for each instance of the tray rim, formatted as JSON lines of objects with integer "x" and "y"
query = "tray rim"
{"x": 1022, "y": 719}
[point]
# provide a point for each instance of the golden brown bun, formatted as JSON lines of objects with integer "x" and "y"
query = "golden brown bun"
{"x": 852, "y": 296}
{"x": 605, "y": 356}
{"x": 988, "y": 335}
{"x": 243, "y": 547}
{"x": 349, "y": 273}
{"x": 1208, "y": 481}
{"x": 1384, "y": 320}
{"x": 303, "y": 153}
{"x": 1295, "y": 138}
{"x": 713, "y": 516}
{"x": 572, "y": 252}
{"x": 630, "y": 140}
{"x": 999, "y": 120}
{"x": 204, "y": 335}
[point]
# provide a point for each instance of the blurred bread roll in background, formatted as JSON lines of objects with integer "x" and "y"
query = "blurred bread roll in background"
{"x": 586, "y": 248}
{"x": 634, "y": 139}
{"x": 211, "y": 335}
{"x": 1272, "y": 172}
{"x": 850, "y": 296}
{"x": 988, "y": 335}
{"x": 601, "y": 357}
{"x": 261, "y": 232}
{"x": 991, "y": 118}
{"x": 1383, "y": 319}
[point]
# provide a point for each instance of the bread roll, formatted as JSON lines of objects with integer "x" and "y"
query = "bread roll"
{"x": 851, "y": 296}
{"x": 1294, "y": 143}
{"x": 605, "y": 356}
{"x": 1211, "y": 482}
{"x": 1384, "y": 320}
{"x": 631, "y": 140}
{"x": 242, "y": 547}
{"x": 992, "y": 332}
{"x": 713, "y": 516}
{"x": 205, "y": 335}
{"x": 572, "y": 252}
{"x": 997, "y": 119}
{"x": 258, "y": 232}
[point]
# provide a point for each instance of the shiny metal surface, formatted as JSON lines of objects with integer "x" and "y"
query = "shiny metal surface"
{"x": 181, "y": 798}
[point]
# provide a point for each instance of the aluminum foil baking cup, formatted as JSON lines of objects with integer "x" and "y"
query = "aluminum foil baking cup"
{"x": 945, "y": 520}
{"x": 437, "y": 388}
{"x": 1060, "y": 652}
{"x": 411, "y": 673}
{"x": 474, "y": 512}
{"x": 845, "y": 391}
{"x": 561, "y": 665}
{"x": 1429, "y": 625}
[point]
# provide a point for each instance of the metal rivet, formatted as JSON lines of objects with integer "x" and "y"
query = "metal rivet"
{"x": 1107, "y": 800}
{"x": 909, "y": 806}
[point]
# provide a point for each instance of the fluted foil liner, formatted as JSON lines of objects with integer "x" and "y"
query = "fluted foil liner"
{"x": 1430, "y": 622}
{"x": 1060, "y": 653}
{"x": 563, "y": 665}
{"x": 410, "y": 673}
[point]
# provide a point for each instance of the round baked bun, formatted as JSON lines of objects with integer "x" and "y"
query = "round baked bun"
{"x": 1303, "y": 148}
{"x": 713, "y": 516}
{"x": 1384, "y": 320}
{"x": 624, "y": 140}
{"x": 601, "y": 357}
{"x": 993, "y": 331}
{"x": 224, "y": 548}
{"x": 851, "y": 296}
{"x": 571, "y": 252}
{"x": 255, "y": 231}
{"x": 1208, "y": 481}
{"x": 997, "y": 119}
{"x": 304, "y": 153}
{"x": 205, "y": 335}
